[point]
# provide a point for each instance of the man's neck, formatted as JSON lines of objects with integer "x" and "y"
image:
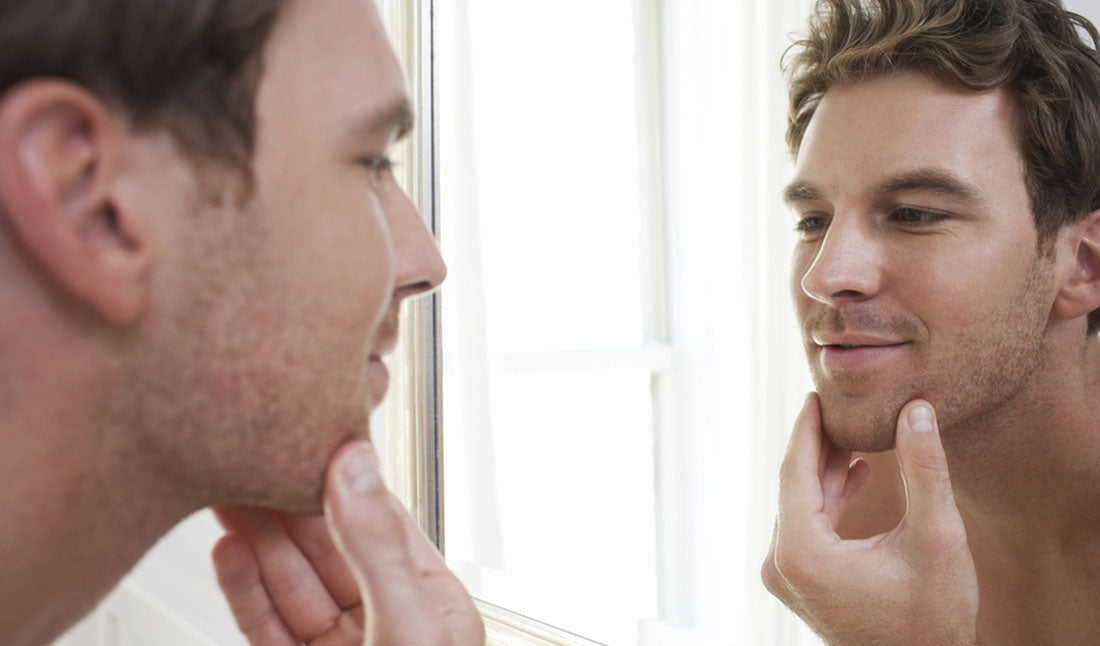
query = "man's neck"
{"x": 79, "y": 514}
{"x": 1028, "y": 475}
{"x": 1027, "y": 482}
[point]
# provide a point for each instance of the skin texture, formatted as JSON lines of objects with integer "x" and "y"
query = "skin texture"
{"x": 922, "y": 565}
{"x": 968, "y": 296}
{"x": 363, "y": 571}
{"x": 320, "y": 258}
{"x": 989, "y": 330}
{"x": 178, "y": 334}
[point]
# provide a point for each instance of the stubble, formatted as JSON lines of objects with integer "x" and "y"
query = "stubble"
{"x": 967, "y": 376}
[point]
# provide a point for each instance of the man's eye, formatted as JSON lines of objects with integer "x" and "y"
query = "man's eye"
{"x": 378, "y": 166}
{"x": 911, "y": 216}
{"x": 811, "y": 225}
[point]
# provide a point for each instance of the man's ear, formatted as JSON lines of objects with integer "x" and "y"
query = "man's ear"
{"x": 1080, "y": 291}
{"x": 60, "y": 153}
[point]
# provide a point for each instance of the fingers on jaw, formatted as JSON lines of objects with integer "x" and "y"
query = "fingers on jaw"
{"x": 239, "y": 578}
{"x": 446, "y": 590}
{"x": 294, "y": 587}
{"x": 817, "y": 476}
{"x": 806, "y": 452}
{"x": 409, "y": 594}
{"x": 369, "y": 531}
{"x": 369, "y": 528}
{"x": 924, "y": 468}
{"x": 363, "y": 518}
{"x": 347, "y": 630}
{"x": 311, "y": 535}
{"x": 237, "y": 519}
{"x": 234, "y": 564}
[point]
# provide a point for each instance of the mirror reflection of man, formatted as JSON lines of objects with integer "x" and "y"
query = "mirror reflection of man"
{"x": 947, "y": 280}
{"x": 202, "y": 251}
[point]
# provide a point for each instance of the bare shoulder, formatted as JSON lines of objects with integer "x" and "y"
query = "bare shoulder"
{"x": 879, "y": 505}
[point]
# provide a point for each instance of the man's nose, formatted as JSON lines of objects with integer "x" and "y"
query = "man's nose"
{"x": 420, "y": 267}
{"x": 847, "y": 266}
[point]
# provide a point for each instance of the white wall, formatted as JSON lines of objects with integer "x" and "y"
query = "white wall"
{"x": 1087, "y": 8}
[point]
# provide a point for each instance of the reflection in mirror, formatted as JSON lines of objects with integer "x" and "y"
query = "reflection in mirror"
{"x": 620, "y": 365}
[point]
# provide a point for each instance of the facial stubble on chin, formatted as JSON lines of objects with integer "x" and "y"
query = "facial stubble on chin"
{"x": 865, "y": 423}
{"x": 859, "y": 411}
{"x": 984, "y": 368}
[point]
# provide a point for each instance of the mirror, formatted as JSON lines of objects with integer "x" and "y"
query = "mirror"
{"x": 619, "y": 362}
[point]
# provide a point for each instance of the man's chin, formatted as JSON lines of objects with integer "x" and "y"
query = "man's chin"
{"x": 297, "y": 486}
{"x": 858, "y": 429}
{"x": 288, "y": 496}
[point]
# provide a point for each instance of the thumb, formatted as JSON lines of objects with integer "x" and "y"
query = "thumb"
{"x": 928, "y": 492}
{"x": 367, "y": 527}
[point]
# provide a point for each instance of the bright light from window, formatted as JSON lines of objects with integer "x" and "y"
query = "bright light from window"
{"x": 549, "y": 476}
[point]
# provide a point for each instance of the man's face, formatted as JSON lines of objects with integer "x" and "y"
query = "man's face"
{"x": 917, "y": 273}
{"x": 285, "y": 305}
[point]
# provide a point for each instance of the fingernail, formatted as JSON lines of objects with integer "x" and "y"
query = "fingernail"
{"x": 359, "y": 469}
{"x": 921, "y": 419}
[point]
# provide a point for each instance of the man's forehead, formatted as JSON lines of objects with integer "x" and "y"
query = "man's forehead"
{"x": 906, "y": 103}
{"x": 906, "y": 132}
{"x": 330, "y": 72}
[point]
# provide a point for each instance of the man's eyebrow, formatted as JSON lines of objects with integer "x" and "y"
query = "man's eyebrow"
{"x": 801, "y": 191}
{"x": 393, "y": 118}
{"x": 404, "y": 119}
{"x": 931, "y": 180}
{"x": 928, "y": 180}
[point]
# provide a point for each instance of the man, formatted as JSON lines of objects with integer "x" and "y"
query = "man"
{"x": 202, "y": 251}
{"x": 947, "y": 280}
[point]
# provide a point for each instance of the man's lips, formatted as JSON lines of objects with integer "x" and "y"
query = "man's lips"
{"x": 852, "y": 352}
{"x": 378, "y": 379}
{"x": 854, "y": 339}
{"x": 378, "y": 376}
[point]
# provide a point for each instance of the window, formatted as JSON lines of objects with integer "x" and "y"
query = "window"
{"x": 553, "y": 326}
{"x": 616, "y": 361}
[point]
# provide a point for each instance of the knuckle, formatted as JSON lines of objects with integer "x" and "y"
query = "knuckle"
{"x": 318, "y": 547}
{"x": 249, "y": 623}
{"x": 350, "y": 624}
{"x": 285, "y": 582}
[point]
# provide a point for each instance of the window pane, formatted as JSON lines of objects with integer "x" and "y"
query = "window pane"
{"x": 548, "y": 463}
{"x": 540, "y": 168}
{"x": 552, "y": 515}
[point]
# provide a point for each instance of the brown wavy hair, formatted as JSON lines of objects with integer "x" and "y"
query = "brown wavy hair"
{"x": 1043, "y": 55}
{"x": 191, "y": 67}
